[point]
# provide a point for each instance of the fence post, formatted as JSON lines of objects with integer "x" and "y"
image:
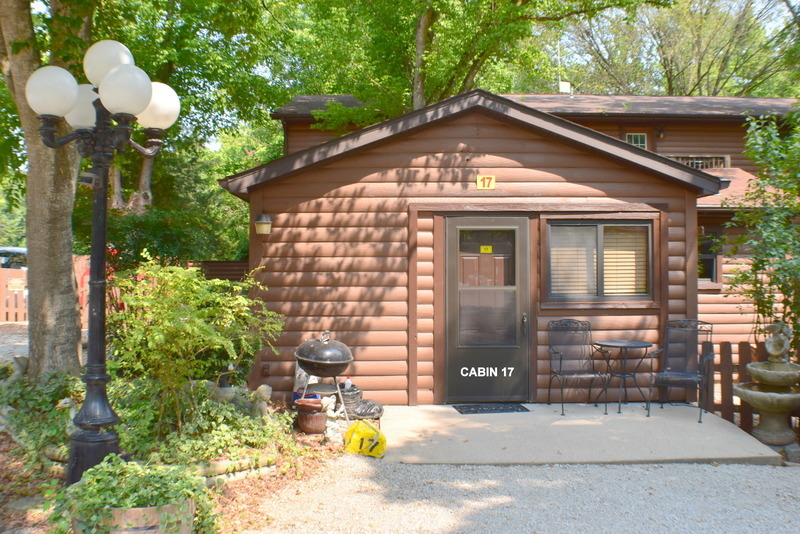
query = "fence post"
{"x": 745, "y": 410}
{"x": 726, "y": 380}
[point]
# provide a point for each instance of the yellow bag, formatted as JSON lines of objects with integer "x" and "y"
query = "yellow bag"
{"x": 363, "y": 438}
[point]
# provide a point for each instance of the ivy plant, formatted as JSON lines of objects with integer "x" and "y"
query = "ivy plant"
{"x": 769, "y": 214}
{"x": 210, "y": 430}
{"x": 32, "y": 413}
{"x": 115, "y": 483}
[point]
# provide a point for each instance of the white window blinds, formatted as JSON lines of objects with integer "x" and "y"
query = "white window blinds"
{"x": 596, "y": 260}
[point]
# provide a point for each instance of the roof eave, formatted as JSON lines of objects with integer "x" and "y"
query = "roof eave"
{"x": 704, "y": 184}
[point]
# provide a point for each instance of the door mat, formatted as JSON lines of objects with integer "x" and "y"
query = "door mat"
{"x": 499, "y": 407}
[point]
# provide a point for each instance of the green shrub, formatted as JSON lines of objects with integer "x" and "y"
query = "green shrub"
{"x": 173, "y": 325}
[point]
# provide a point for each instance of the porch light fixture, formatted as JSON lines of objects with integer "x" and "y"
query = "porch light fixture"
{"x": 122, "y": 93}
{"x": 263, "y": 224}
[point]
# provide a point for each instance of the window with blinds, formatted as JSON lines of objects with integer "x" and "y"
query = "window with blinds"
{"x": 599, "y": 260}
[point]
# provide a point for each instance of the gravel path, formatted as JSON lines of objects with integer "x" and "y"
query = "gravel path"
{"x": 13, "y": 340}
{"x": 360, "y": 494}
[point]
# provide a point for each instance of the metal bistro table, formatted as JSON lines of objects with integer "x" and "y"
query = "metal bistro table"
{"x": 623, "y": 346}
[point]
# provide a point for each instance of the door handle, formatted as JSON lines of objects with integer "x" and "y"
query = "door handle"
{"x": 524, "y": 323}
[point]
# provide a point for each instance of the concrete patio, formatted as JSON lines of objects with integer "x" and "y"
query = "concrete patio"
{"x": 440, "y": 435}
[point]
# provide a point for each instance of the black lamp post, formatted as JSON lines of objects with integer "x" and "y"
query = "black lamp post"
{"x": 101, "y": 115}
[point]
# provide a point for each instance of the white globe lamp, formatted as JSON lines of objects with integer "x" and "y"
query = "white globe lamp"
{"x": 163, "y": 110}
{"x": 103, "y": 56}
{"x": 83, "y": 115}
{"x": 125, "y": 89}
{"x": 51, "y": 91}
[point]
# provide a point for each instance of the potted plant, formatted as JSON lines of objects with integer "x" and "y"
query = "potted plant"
{"x": 119, "y": 496}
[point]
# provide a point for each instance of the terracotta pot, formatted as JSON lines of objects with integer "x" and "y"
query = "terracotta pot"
{"x": 309, "y": 405}
{"x": 312, "y": 422}
{"x": 155, "y": 519}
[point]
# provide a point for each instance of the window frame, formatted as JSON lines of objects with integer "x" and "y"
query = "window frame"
{"x": 650, "y": 133}
{"x": 655, "y": 274}
{"x": 646, "y": 146}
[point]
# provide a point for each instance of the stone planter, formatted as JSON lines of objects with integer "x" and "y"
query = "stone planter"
{"x": 152, "y": 519}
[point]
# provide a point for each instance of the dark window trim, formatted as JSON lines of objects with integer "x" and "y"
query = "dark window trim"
{"x": 649, "y": 300}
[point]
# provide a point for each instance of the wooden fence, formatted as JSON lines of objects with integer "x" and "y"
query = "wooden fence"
{"x": 14, "y": 286}
{"x": 13, "y": 295}
{"x": 727, "y": 371}
{"x": 14, "y": 292}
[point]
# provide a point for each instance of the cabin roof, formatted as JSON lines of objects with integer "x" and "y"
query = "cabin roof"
{"x": 303, "y": 106}
{"x": 725, "y": 107}
{"x": 651, "y": 106}
{"x": 502, "y": 108}
{"x": 734, "y": 186}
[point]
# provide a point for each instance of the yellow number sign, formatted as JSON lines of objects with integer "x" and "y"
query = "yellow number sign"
{"x": 485, "y": 182}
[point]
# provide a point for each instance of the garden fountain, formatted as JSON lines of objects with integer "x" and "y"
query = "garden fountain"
{"x": 775, "y": 392}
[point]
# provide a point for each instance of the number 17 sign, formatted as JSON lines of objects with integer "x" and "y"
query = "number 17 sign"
{"x": 485, "y": 182}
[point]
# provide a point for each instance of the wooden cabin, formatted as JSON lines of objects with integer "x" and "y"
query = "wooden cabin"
{"x": 439, "y": 245}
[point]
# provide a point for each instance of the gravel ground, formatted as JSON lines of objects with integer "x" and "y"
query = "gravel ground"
{"x": 13, "y": 340}
{"x": 360, "y": 494}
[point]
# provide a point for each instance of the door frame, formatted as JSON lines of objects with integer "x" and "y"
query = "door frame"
{"x": 521, "y": 224}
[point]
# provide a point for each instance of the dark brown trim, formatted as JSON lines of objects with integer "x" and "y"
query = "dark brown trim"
{"x": 537, "y": 207}
{"x": 692, "y": 300}
{"x": 663, "y": 265}
{"x": 413, "y": 356}
{"x": 660, "y": 244}
{"x": 534, "y": 273}
{"x": 439, "y": 321}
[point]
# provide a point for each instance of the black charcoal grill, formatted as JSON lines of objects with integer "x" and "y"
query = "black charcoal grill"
{"x": 324, "y": 357}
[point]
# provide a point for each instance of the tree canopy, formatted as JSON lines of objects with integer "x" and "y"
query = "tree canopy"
{"x": 769, "y": 213}
{"x": 696, "y": 47}
{"x": 234, "y": 63}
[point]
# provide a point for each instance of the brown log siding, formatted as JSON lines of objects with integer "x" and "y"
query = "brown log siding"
{"x": 678, "y": 138}
{"x": 338, "y": 256}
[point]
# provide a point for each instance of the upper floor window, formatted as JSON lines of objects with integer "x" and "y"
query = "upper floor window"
{"x": 637, "y": 139}
{"x": 599, "y": 260}
{"x": 708, "y": 256}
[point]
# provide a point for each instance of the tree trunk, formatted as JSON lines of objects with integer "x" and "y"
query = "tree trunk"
{"x": 142, "y": 198}
{"x": 54, "y": 320}
{"x": 116, "y": 200}
{"x": 422, "y": 41}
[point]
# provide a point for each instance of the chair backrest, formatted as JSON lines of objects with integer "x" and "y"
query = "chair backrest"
{"x": 683, "y": 345}
{"x": 570, "y": 345}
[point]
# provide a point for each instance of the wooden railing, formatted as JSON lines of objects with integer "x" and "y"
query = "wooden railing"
{"x": 13, "y": 295}
{"x": 14, "y": 292}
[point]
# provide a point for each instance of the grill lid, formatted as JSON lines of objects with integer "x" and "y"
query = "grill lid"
{"x": 324, "y": 350}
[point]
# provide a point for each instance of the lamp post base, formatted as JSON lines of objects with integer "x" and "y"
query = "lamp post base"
{"x": 89, "y": 448}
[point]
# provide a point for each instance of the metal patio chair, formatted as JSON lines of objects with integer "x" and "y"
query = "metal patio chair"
{"x": 573, "y": 358}
{"x": 684, "y": 361}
